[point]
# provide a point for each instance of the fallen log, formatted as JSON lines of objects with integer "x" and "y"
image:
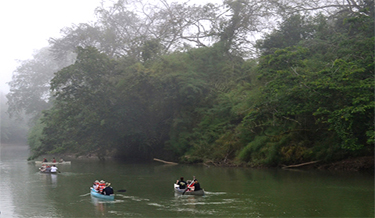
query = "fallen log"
{"x": 166, "y": 162}
{"x": 300, "y": 165}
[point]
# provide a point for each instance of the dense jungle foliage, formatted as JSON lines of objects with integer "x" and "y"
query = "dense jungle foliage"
{"x": 303, "y": 92}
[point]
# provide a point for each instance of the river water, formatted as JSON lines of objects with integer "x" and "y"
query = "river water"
{"x": 230, "y": 192}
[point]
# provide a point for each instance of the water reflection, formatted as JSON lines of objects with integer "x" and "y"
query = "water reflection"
{"x": 103, "y": 207}
{"x": 48, "y": 179}
{"x": 54, "y": 180}
{"x": 229, "y": 192}
{"x": 100, "y": 205}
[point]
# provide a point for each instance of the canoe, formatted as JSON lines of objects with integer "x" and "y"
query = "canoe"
{"x": 52, "y": 163}
{"x": 180, "y": 191}
{"x": 47, "y": 172}
{"x": 96, "y": 194}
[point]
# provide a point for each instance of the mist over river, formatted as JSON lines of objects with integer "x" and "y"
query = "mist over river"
{"x": 230, "y": 192}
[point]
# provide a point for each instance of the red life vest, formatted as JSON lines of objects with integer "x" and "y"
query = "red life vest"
{"x": 191, "y": 184}
{"x": 101, "y": 186}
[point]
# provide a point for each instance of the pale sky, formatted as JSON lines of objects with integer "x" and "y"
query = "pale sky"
{"x": 26, "y": 26}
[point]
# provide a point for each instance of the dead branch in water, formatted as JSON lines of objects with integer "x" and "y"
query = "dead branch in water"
{"x": 300, "y": 165}
{"x": 166, "y": 162}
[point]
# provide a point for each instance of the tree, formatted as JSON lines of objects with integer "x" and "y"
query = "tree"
{"x": 128, "y": 27}
{"x": 29, "y": 88}
{"x": 171, "y": 79}
{"x": 328, "y": 7}
{"x": 292, "y": 31}
{"x": 322, "y": 91}
{"x": 78, "y": 119}
{"x": 12, "y": 130}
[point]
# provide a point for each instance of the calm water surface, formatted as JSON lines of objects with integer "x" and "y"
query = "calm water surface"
{"x": 230, "y": 192}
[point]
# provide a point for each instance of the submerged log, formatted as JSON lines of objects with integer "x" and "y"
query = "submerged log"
{"x": 300, "y": 165}
{"x": 163, "y": 161}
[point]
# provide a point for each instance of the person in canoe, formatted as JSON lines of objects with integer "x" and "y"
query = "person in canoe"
{"x": 181, "y": 183}
{"x": 96, "y": 185}
{"x": 108, "y": 190}
{"x": 53, "y": 160}
{"x": 100, "y": 187}
{"x": 193, "y": 185}
{"x": 45, "y": 160}
{"x": 54, "y": 169}
{"x": 45, "y": 168}
{"x": 42, "y": 168}
{"x": 196, "y": 185}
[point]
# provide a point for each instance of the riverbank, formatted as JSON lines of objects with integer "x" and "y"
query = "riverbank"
{"x": 365, "y": 163}
{"x": 352, "y": 164}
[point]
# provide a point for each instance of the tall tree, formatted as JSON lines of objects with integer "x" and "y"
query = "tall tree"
{"x": 78, "y": 119}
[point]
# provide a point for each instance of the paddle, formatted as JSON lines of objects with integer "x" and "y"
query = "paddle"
{"x": 188, "y": 185}
{"x": 121, "y": 190}
{"x": 185, "y": 191}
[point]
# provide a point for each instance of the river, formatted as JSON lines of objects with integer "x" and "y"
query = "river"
{"x": 230, "y": 192}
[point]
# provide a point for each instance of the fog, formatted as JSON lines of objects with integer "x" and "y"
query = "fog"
{"x": 27, "y": 25}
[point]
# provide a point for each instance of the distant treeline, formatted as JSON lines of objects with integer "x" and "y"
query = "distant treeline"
{"x": 13, "y": 130}
{"x": 186, "y": 83}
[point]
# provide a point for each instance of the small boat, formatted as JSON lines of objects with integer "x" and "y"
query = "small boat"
{"x": 181, "y": 191}
{"x": 97, "y": 194}
{"x": 53, "y": 163}
{"x": 47, "y": 172}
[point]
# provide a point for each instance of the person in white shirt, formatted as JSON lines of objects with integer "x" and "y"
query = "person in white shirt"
{"x": 53, "y": 169}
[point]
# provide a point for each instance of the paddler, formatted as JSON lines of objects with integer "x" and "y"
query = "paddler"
{"x": 101, "y": 185}
{"x": 96, "y": 185}
{"x": 181, "y": 183}
{"x": 196, "y": 185}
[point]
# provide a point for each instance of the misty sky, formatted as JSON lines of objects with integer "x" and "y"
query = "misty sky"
{"x": 26, "y": 25}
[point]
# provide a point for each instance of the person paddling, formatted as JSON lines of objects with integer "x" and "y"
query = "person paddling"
{"x": 190, "y": 185}
{"x": 181, "y": 183}
{"x": 108, "y": 190}
{"x": 48, "y": 169}
{"x": 42, "y": 168}
{"x": 196, "y": 185}
{"x": 101, "y": 186}
{"x": 96, "y": 185}
{"x": 54, "y": 169}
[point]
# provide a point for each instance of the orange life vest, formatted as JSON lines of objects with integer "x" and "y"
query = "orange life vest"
{"x": 101, "y": 186}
